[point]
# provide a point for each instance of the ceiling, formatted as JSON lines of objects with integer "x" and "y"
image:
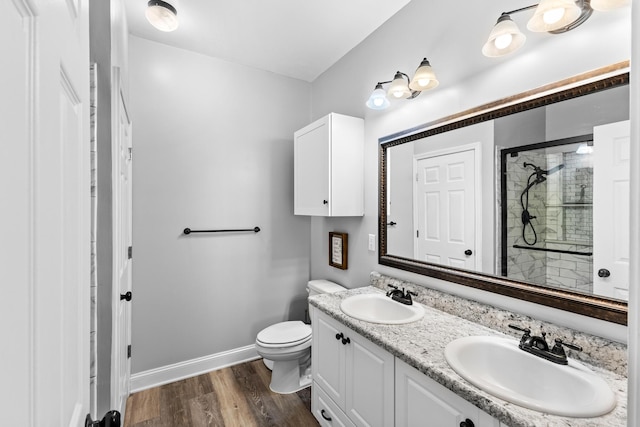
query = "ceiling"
{"x": 299, "y": 39}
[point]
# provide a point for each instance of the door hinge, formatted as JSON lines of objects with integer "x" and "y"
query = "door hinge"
{"x": 129, "y": 351}
{"x": 417, "y": 234}
{"x": 417, "y": 177}
{"x": 130, "y": 153}
{"x": 130, "y": 252}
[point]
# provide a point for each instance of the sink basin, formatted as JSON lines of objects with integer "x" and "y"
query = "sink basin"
{"x": 499, "y": 367}
{"x": 377, "y": 308}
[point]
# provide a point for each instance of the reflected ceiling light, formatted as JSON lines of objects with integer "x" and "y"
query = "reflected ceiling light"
{"x": 505, "y": 37}
{"x": 552, "y": 16}
{"x": 585, "y": 148}
{"x": 605, "y": 5}
{"x": 162, "y": 15}
{"x": 402, "y": 87}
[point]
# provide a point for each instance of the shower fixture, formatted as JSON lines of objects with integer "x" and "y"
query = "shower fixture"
{"x": 538, "y": 176}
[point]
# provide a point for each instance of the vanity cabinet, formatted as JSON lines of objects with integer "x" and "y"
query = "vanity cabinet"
{"x": 421, "y": 401}
{"x": 353, "y": 378}
{"x": 329, "y": 167}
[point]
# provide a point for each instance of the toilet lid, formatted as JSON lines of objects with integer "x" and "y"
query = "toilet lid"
{"x": 285, "y": 333}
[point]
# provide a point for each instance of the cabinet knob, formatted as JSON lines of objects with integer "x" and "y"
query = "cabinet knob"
{"x": 603, "y": 272}
{"x": 468, "y": 252}
{"x": 340, "y": 336}
{"x": 324, "y": 416}
{"x": 325, "y": 202}
{"x": 126, "y": 297}
{"x": 467, "y": 423}
{"x": 346, "y": 341}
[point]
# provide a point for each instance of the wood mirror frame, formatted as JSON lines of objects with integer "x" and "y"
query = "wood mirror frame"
{"x": 580, "y": 303}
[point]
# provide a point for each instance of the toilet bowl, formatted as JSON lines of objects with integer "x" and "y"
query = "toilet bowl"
{"x": 286, "y": 347}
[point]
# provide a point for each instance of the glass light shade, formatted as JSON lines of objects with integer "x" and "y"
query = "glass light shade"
{"x": 162, "y": 15}
{"x": 605, "y": 5}
{"x": 551, "y": 15}
{"x": 424, "y": 78}
{"x": 378, "y": 99}
{"x": 398, "y": 87}
{"x": 505, "y": 37}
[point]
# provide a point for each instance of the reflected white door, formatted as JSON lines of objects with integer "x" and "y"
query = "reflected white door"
{"x": 45, "y": 215}
{"x": 611, "y": 214}
{"x": 122, "y": 159}
{"x": 445, "y": 210}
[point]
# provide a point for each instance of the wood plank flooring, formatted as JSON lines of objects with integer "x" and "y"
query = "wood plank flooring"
{"x": 235, "y": 396}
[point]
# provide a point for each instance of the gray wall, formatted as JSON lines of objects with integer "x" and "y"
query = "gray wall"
{"x": 453, "y": 45}
{"x": 211, "y": 151}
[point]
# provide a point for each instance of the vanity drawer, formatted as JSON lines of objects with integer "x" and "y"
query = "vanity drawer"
{"x": 326, "y": 411}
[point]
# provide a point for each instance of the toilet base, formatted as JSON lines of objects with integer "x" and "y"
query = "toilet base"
{"x": 286, "y": 376}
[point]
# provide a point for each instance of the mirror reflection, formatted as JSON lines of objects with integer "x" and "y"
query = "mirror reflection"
{"x": 540, "y": 196}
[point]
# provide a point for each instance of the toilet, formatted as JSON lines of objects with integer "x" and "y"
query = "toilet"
{"x": 286, "y": 347}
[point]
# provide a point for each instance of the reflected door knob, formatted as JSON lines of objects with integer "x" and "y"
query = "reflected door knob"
{"x": 126, "y": 297}
{"x": 603, "y": 272}
{"x": 467, "y": 423}
{"x": 468, "y": 252}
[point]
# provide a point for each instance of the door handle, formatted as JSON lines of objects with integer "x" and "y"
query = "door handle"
{"x": 603, "y": 272}
{"x": 468, "y": 252}
{"x": 126, "y": 297}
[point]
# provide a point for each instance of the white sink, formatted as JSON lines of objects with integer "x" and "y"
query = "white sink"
{"x": 377, "y": 308}
{"x": 499, "y": 367}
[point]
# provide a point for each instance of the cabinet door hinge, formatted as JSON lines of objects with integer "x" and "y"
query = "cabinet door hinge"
{"x": 130, "y": 252}
{"x": 129, "y": 351}
{"x": 417, "y": 234}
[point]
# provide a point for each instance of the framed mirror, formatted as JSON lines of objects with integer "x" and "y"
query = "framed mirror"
{"x": 509, "y": 197}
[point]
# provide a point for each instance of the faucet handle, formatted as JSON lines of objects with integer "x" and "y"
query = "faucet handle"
{"x": 526, "y": 331}
{"x": 559, "y": 344}
{"x": 395, "y": 288}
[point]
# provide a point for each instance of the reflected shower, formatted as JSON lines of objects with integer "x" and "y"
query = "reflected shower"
{"x": 538, "y": 176}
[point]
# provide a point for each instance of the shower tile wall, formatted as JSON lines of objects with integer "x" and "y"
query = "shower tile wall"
{"x": 564, "y": 220}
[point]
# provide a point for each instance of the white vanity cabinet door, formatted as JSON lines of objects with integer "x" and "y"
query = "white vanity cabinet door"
{"x": 422, "y": 402}
{"x": 355, "y": 374}
{"x": 328, "y": 357}
{"x": 329, "y": 167}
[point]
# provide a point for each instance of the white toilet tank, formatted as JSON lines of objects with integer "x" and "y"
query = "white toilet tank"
{"x": 316, "y": 287}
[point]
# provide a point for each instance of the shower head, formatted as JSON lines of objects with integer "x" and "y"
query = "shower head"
{"x": 554, "y": 169}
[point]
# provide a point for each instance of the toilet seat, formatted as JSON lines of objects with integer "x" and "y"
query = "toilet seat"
{"x": 284, "y": 334}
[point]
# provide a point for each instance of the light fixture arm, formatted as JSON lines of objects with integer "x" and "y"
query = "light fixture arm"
{"x": 522, "y": 9}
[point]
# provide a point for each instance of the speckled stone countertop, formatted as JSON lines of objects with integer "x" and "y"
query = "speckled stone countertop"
{"x": 421, "y": 344}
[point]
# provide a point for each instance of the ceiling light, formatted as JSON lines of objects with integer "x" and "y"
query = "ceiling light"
{"x": 162, "y": 15}
{"x": 505, "y": 37}
{"x": 552, "y": 15}
{"x": 399, "y": 87}
{"x": 424, "y": 78}
{"x": 378, "y": 99}
{"x": 605, "y": 5}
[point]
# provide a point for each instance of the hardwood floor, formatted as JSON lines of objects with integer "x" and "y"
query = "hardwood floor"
{"x": 235, "y": 396}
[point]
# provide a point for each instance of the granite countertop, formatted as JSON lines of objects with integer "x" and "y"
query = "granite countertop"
{"x": 421, "y": 344}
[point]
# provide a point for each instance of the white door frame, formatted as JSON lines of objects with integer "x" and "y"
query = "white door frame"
{"x": 477, "y": 150}
{"x": 120, "y": 381}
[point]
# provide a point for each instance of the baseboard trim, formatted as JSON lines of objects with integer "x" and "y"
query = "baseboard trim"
{"x": 190, "y": 368}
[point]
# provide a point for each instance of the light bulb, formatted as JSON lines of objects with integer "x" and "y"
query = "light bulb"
{"x": 552, "y": 16}
{"x": 503, "y": 41}
{"x": 398, "y": 94}
{"x": 423, "y": 82}
{"x": 378, "y": 102}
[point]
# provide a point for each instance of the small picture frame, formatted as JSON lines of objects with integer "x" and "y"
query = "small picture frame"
{"x": 338, "y": 250}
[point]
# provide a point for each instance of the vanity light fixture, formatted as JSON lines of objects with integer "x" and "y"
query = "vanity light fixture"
{"x": 402, "y": 87}
{"x": 162, "y": 15}
{"x": 552, "y": 16}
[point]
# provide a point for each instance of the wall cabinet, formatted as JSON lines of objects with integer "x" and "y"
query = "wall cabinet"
{"x": 357, "y": 383}
{"x": 329, "y": 167}
{"x": 353, "y": 378}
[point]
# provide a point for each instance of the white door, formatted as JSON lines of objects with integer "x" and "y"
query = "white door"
{"x": 445, "y": 211}
{"x": 611, "y": 214}
{"x": 45, "y": 215}
{"x": 122, "y": 158}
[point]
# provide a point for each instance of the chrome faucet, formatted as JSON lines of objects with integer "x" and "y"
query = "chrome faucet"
{"x": 537, "y": 345}
{"x": 401, "y": 296}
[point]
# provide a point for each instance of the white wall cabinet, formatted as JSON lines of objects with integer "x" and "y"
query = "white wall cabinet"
{"x": 329, "y": 167}
{"x": 353, "y": 378}
{"x": 421, "y": 401}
